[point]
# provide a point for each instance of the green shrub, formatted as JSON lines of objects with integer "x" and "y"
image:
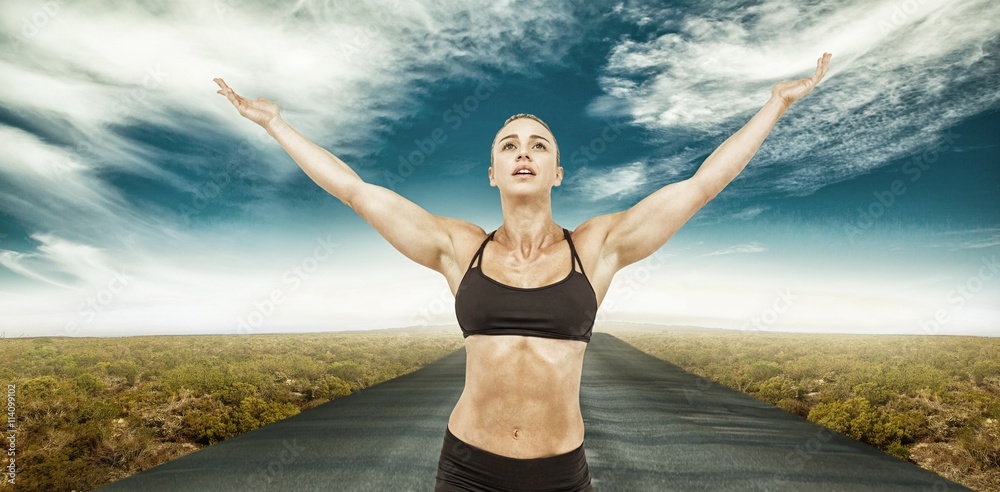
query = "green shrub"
{"x": 89, "y": 384}
{"x": 329, "y": 388}
{"x": 778, "y": 388}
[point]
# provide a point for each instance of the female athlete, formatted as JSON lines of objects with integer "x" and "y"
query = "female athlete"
{"x": 525, "y": 316}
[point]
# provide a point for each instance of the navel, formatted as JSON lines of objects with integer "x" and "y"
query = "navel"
{"x": 516, "y": 431}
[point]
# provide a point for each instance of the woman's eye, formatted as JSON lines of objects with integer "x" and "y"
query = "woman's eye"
{"x": 539, "y": 144}
{"x": 506, "y": 146}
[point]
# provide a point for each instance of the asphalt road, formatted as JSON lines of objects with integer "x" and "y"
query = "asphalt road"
{"x": 649, "y": 426}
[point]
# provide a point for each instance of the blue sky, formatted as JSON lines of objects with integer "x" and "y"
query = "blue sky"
{"x": 135, "y": 200}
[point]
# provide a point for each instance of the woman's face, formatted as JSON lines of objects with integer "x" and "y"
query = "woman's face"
{"x": 524, "y": 143}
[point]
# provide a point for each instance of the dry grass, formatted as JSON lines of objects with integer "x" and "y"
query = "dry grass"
{"x": 931, "y": 400}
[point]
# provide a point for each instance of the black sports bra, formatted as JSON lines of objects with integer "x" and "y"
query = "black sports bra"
{"x": 566, "y": 309}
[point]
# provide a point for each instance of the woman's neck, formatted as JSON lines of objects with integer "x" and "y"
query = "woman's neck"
{"x": 528, "y": 226}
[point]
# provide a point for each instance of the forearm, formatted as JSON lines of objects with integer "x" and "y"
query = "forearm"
{"x": 728, "y": 160}
{"x": 326, "y": 169}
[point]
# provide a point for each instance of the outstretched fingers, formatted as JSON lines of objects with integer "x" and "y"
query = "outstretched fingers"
{"x": 230, "y": 94}
{"x": 224, "y": 89}
{"x": 822, "y": 65}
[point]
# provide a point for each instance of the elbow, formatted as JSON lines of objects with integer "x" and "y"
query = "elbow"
{"x": 345, "y": 198}
{"x": 706, "y": 192}
{"x": 347, "y": 194}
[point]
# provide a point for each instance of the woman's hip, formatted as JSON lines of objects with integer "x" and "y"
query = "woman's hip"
{"x": 464, "y": 467}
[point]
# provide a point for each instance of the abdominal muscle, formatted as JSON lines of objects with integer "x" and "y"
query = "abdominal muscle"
{"x": 521, "y": 396}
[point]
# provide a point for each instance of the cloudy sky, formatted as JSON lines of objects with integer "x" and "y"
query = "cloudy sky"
{"x": 135, "y": 200}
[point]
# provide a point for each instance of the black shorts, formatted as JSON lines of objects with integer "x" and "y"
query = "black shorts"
{"x": 464, "y": 467}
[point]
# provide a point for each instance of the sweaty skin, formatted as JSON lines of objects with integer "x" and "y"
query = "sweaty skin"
{"x": 522, "y": 394}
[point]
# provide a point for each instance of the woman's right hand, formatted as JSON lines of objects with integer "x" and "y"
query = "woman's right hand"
{"x": 261, "y": 111}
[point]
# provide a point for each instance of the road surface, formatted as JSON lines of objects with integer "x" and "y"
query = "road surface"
{"x": 649, "y": 426}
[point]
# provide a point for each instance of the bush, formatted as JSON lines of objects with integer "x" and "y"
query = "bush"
{"x": 763, "y": 370}
{"x": 329, "y": 388}
{"x": 101, "y": 409}
{"x": 857, "y": 418}
{"x": 888, "y": 391}
{"x": 89, "y": 384}
{"x": 778, "y": 388}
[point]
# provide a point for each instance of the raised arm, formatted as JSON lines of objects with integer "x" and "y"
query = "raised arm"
{"x": 635, "y": 233}
{"x": 421, "y": 236}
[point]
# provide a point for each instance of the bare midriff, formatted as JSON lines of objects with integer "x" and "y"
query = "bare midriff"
{"x": 521, "y": 397}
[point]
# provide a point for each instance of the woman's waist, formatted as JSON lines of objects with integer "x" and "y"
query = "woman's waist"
{"x": 519, "y": 429}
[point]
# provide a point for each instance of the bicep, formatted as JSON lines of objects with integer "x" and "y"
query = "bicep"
{"x": 639, "y": 231}
{"x": 416, "y": 233}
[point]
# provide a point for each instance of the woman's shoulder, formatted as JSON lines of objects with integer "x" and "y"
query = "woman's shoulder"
{"x": 592, "y": 232}
{"x": 463, "y": 231}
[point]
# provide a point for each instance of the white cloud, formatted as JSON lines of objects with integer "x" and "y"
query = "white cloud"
{"x": 87, "y": 92}
{"x": 900, "y": 73}
{"x": 749, "y": 212}
{"x": 460, "y": 168}
{"x": 338, "y": 70}
{"x": 211, "y": 292}
{"x": 794, "y": 296}
{"x": 982, "y": 237}
{"x": 57, "y": 257}
{"x": 619, "y": 182}
{"x": 751, "y": 247}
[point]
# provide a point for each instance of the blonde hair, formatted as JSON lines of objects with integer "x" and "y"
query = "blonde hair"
{"x": 533, "y": 117}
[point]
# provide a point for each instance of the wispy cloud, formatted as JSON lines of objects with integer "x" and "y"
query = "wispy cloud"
{"x": 112, "y": 128}
{"x": 460, "y": 168}
{"x": 749, "y": 212}
{"x": 751, "y": 247}
{"x": 618, "y": 182}
{"x": 85, "y": 94}
{"x": 112, "y": 131}
{"x": 898, "y": 77}
{"x": 977, "y": 238}
{"x": 980, "y": 243}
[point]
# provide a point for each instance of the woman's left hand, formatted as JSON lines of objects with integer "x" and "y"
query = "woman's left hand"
{"x": 790, "y": 91}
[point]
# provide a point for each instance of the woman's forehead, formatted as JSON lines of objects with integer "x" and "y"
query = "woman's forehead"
{"x": 523, "y": 127}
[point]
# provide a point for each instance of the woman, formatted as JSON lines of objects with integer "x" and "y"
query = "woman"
{"x": 517, "y": 424}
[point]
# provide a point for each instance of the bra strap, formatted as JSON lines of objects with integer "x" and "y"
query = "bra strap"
{"x": 572, "y": 250}
{"x": 481, "y": 248}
